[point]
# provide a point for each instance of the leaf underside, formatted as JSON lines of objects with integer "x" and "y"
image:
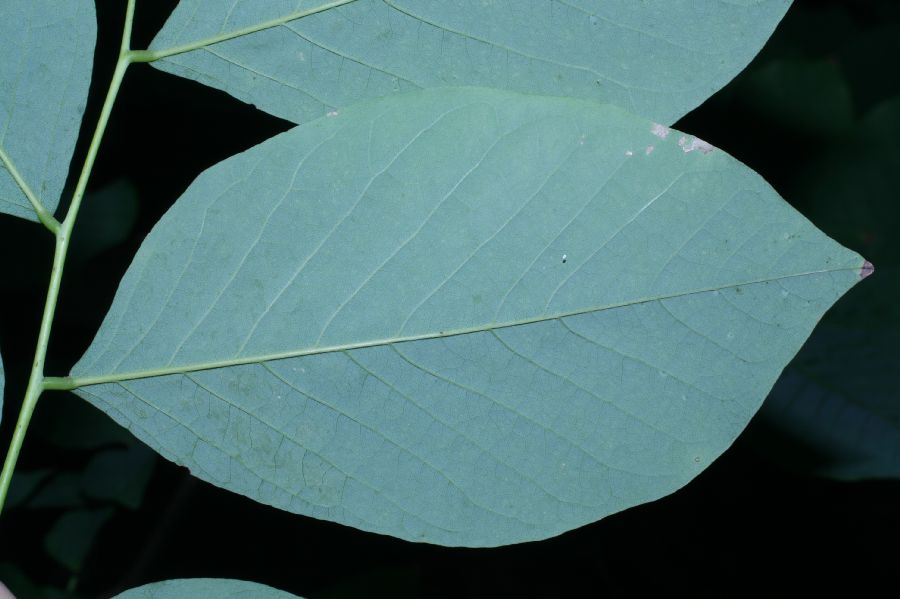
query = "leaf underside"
{"x": 42, "y": 95}
{"x": 462, "y": 316}
{"x": 218, "y": 588}
{"x": 656, "y": 58}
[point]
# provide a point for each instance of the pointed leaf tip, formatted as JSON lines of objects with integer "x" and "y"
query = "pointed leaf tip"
{"x": 867, "y": 269}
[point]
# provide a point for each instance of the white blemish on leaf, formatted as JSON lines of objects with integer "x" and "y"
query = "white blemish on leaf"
{"x": 694, "y": 143}
{"x": 649, "y": 150}
{"x": 333, "y": 113}
{"x": 660, "y": 131}
{"x": 629, "y": 153}
{"x": 565, "y": 257}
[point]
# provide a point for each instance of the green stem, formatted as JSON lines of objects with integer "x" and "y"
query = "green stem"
{"x": 152, "y": 55}
{"x": 43, "y": 215}
{"x": 36, "y": 380}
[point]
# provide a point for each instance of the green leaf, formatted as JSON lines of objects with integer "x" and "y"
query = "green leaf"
{"x": 70, "y": 539}
{"x": 218, "y": 588}
{"x": 462, "y": 316}
{"x": 658, "y": 58}
{"x": 47, "y": 50}
{"x": 24, "y": 486}
{"x": 61, "y": 491}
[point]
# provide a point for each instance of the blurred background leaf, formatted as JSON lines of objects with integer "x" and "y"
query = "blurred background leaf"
{"x": 60, "y": 491}
{"x": 24, "y": 485}
{"x": 119, "y": 475}
{"x": 73, "y": 534}
{"x": 809, "y": 96}
{"x": 106, "y": 219}
{"x": 841, "y": 395}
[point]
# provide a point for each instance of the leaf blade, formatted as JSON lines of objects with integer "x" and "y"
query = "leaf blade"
{"x": 489, "y": 303}
{"x": 622, "y": 53}
{"x": 38, "y": 124}
{"x": 204, "y": 587}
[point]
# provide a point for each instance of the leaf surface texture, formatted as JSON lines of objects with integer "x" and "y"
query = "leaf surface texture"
{"x": 191, "y": 588}
{"x": 47, "y": 50}
{"x": 462, "y": 316}
{"x": 657, "y": 58}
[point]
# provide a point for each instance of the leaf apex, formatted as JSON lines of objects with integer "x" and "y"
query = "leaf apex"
{"x": 867, "y": 269}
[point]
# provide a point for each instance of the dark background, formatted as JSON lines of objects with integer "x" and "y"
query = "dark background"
{"x": 756, "y": 522}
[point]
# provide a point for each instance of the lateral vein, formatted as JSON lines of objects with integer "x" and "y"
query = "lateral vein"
{"x": 153, "y": 55}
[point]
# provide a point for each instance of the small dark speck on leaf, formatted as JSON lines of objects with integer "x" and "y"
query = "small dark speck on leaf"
{"x": 867, "y": 269}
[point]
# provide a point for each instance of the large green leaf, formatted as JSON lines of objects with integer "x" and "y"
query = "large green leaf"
{"x": 47, "y": 50}
{"x": 462, "y": 316}
{"x": 658, "y": 58}
{"x": 203, "y": 588}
